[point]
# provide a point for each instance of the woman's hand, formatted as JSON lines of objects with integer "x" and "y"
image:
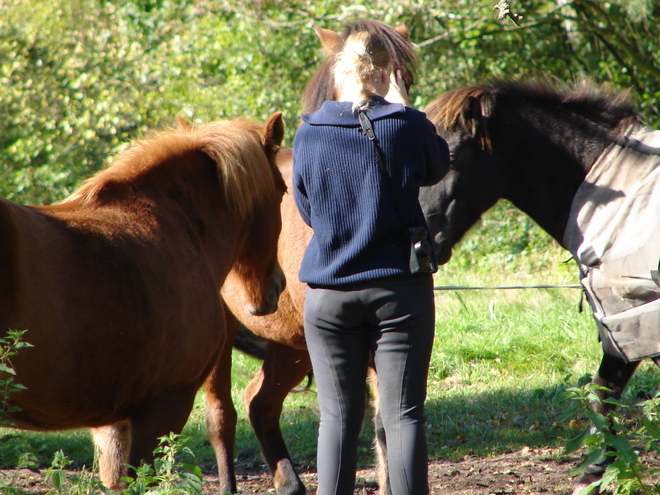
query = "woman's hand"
{"x": 397, "y": 92}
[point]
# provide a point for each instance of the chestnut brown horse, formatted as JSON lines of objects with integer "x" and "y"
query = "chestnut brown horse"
{"x": 287, "y": 362}
{"x": 545, "y": 149}
{"x": 117, "y": 286}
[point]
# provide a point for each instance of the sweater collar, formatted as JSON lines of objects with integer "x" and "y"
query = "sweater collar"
{"x": 340, "y": 113}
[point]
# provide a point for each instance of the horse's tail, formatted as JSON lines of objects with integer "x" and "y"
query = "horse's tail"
{"x": 251, "y": 344}
{"x": 307, "y": 387}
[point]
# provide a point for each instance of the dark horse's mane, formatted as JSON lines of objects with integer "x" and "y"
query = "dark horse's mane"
{"x": 601, "y": 105}
{"x": 321, "y": 87}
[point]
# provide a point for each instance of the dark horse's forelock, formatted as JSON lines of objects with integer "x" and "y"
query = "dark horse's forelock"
{"x": 322, "y": 85}
{"x": 453, "y": 110}
{"x": 447, "y": 111}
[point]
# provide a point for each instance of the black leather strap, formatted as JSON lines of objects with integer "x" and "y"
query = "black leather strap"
{"x": 368, "y": 130}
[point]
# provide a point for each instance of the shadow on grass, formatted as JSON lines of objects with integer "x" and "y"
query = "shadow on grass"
{"x": 484, "y": 424}
{"x": 496, "y": 422}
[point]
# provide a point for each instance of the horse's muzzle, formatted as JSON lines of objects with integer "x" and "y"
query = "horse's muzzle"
{"x": 270, "y": 303}
{"x": 443, "y": 249}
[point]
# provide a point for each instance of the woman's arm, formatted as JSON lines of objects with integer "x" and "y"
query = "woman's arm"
{"x": 299, "y": 190}
{"x": 437, "y": 156}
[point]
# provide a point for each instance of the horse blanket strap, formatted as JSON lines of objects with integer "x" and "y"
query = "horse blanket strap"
{"x": 613, "y": 232}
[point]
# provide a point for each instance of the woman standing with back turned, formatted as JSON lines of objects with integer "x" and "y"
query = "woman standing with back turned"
{"x": 370, "y": 285}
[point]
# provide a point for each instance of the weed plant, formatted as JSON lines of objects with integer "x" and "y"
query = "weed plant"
{"x": 9, "y": 346}
{"x": 617, "y": 440}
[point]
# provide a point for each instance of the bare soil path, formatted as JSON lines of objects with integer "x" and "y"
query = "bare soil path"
{"x": 529, "y": 471}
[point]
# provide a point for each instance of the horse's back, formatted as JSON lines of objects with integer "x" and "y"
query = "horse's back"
{"x": 26, "y": 241}
{"x": 113, "y": 314}
{"x": 8, "y": 260}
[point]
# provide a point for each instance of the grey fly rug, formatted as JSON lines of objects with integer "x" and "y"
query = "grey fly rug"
{"x": 613, "y": 233}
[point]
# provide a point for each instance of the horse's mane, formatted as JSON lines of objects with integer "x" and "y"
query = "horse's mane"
{"x": 321, "y": 87}
{"x": 244, "y": 173}
{"x": 603, "y": 106}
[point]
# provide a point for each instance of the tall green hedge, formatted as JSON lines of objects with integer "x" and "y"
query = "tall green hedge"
{"x": 81, "y": 78}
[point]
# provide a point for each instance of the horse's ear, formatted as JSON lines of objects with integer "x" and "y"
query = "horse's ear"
{"x": 330, "y": 40}
{"x": 183, "y": 123}
{"x": 273, "y": 134}
{"x": 403, "y": 30}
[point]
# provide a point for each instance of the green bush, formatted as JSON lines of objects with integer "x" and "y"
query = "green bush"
{"x": 82, "y": 78}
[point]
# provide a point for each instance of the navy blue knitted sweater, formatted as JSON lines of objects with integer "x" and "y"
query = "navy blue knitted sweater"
{"x": 339, "y": 189}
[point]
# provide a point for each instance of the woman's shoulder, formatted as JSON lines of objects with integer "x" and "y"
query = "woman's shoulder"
{"x": 414, "y": 114}
{"x": 418, "y": 119}
{"x": 331, "y": 113}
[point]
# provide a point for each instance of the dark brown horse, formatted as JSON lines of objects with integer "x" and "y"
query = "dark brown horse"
{"x": 117, "y": 286}
{"x": 287, "y": 362}
{"x": 534, "y": 144}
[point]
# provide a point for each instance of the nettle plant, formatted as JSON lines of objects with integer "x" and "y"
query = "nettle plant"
{"x": 9, "y": 346}
{"x": 617, "y": 440}
{"x": 169, "y": 474}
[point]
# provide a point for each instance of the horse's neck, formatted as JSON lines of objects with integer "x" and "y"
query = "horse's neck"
{"x": 548, "y": 160}
{"x": 185, "y": 196}
{"x": 203, "y": 213}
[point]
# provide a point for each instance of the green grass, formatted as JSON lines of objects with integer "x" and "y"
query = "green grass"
{"x": 500, "y": 359}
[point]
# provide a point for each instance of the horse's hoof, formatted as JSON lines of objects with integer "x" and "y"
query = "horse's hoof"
{"x": 593, "y": 473}
{"x": 286, "y": 480}
{"x": 581, "y": 487}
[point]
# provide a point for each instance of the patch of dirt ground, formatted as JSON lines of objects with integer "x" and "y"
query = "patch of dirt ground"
{"x": 524, "y": 472}
{"x": 528, "y": 471}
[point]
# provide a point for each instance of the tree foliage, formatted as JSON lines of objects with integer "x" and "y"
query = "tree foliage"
{"x": 81, "y": 78}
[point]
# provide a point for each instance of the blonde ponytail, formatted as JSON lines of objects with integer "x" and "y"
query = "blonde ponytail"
{"x": 363, "y": 57}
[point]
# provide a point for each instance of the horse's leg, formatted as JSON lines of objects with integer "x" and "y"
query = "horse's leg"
{"x": 613, "y": 373}
{"x": 220, "y": 412}
{"x": 112, "y": 443}
{"x": 283, "y": 369}
{"x": 380, "y": 442}
{"x": 161, "y": 415}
